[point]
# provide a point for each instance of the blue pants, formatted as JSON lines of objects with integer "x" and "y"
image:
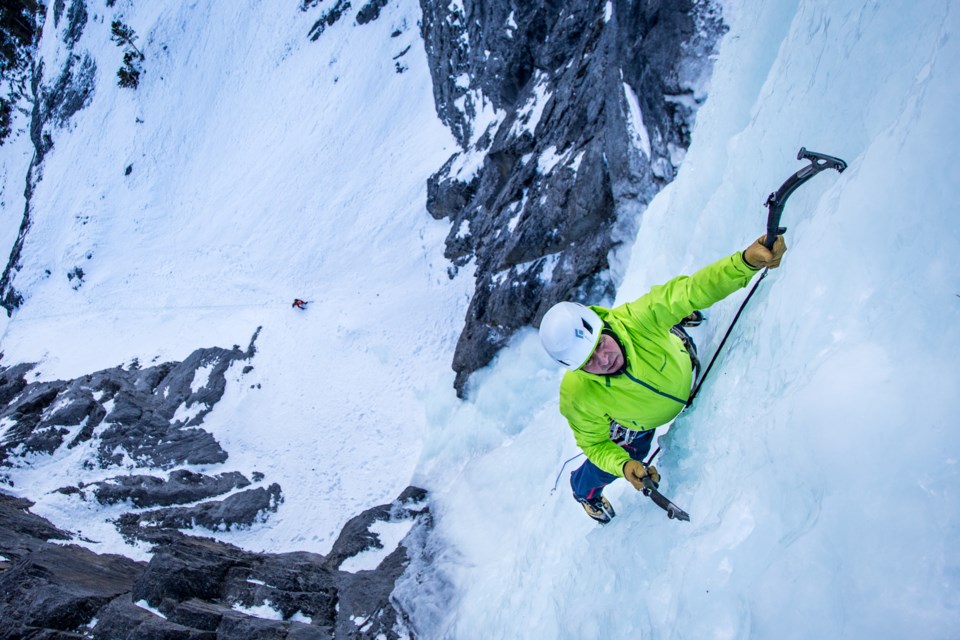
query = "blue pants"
{"x": 589, "y": 480}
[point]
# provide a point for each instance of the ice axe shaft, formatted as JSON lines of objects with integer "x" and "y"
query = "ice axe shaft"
{"x": 777, "y": 199}
{"x": 673, "y": 511}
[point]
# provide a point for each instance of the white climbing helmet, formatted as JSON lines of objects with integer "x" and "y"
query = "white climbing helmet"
{"x": 570, "y": 332}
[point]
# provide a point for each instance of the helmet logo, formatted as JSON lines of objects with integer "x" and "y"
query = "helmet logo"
{"x": 578, "y": 333}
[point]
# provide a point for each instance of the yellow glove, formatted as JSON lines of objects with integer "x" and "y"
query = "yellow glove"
{"x": 758, "y": 256}
{"x": 635, "y": 471}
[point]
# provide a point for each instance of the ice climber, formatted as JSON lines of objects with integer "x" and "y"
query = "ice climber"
{"x": 631, "y": 369}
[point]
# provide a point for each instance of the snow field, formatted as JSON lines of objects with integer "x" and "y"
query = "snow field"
{"x": 258, "y": 174}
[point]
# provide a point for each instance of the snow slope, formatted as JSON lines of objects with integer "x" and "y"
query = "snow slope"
{"x": 819, "y": 465}
{"x": 264, "y": 167}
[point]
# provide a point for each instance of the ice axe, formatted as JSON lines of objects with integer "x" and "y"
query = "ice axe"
{"x": 775, "y": 203}
{"x": 650, "y": 490}
{"x": 673, "y": 511}
{"x": 777, "y": 199}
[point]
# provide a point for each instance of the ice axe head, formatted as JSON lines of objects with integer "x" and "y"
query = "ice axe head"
{"x": 777, "y": 199}
{"x": 821, "y": 161}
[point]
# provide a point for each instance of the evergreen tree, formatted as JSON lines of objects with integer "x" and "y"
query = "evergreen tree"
{"x": 5, "y": 113}
{"x": 18, "y": 28}
{"x": 128, "y": 76}
{"x": 124, "y": 35}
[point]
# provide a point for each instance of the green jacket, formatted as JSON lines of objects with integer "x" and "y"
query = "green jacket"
{"x": 656, "y": 384}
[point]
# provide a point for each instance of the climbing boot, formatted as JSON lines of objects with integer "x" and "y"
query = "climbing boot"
{"x": 598, "y": 508}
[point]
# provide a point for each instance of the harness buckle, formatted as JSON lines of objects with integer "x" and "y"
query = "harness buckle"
{"x": 621, "y": 435}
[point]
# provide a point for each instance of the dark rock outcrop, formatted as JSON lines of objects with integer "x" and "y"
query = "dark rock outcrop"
{"x": 151, "y": 415}
{"x": 180, "y": 487}
{"x": 198, "y": 588}
{"x": 571, "y": 117}
{"x": 356, "y": 535}
{"x": 328, "y": 18}
{"x": 370, "y": 11}
{"x": 193, "y": 587}
{"x": 18, "y": 29}
{"x": 63, "y": 587}
{"x": 22, "y": 532}
{"x": 143, "y": 417}
{"x": 52, "y": 587}
{"x": 238, "y": 510}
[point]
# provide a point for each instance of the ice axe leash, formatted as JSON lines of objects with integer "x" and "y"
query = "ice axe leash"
{"x": 775, "y": 203}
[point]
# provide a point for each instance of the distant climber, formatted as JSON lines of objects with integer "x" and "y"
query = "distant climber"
{"x": 631, "y": 369}
{"x": 300, "y": 304}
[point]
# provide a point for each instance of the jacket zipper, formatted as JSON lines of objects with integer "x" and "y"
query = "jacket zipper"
{"x": 655, "y": 390}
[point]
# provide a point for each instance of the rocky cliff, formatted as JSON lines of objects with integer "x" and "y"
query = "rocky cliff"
{"x": 196, "y": 588}
{"x": 150, "y": 419}
{"x": 571, "y": 116}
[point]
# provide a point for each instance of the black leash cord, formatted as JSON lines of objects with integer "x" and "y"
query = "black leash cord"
{"x": 716, "y": 353}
